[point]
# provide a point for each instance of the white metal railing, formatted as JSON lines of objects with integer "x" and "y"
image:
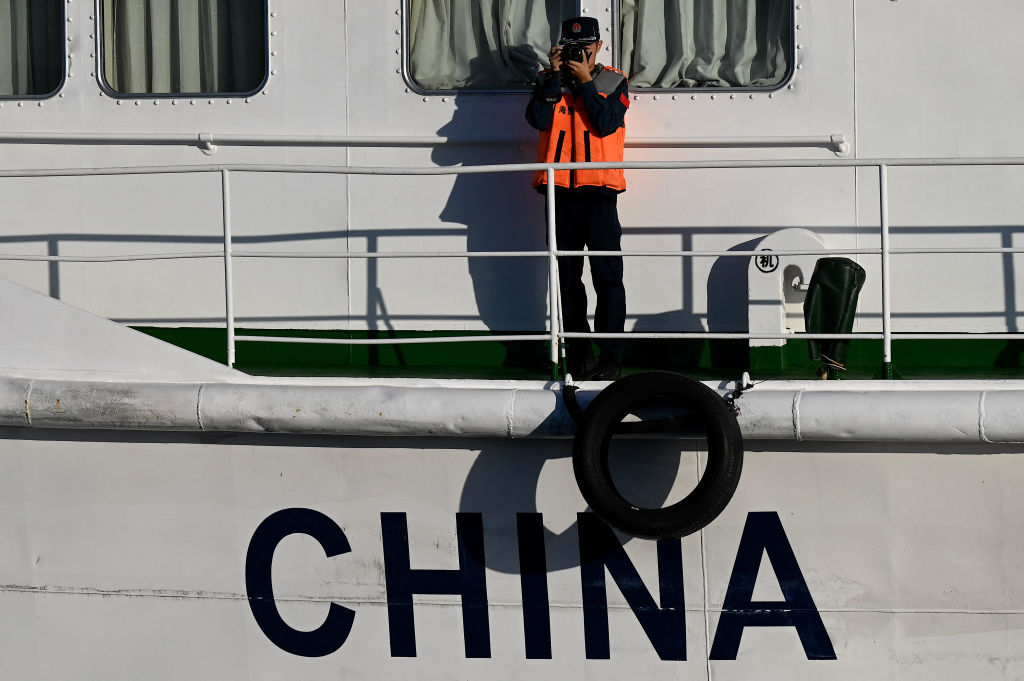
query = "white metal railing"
{"x": 553, "y": 334}
{"x": 208, "y": 141}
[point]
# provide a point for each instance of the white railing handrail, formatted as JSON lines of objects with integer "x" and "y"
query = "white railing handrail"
{"x": 209, "y": 141}
{"x": 510, "y": 167}
{"x": 397, "y": 255}
{"x": 554, "y": 333}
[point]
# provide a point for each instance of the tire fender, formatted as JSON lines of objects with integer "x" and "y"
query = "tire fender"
{"x": 601, "y": 421}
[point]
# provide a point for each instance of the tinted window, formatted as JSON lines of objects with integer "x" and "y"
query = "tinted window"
{"x": 31, "y": 47}
{"x": 481, "y": 44}
{"x": 184, "y": 47}
{"x": 706, "y": 43}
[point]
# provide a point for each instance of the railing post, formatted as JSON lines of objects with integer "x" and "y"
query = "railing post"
{"x": 229, "y": 296}
{"x": 883, "y": 200}
{"x": 552, "y": 271}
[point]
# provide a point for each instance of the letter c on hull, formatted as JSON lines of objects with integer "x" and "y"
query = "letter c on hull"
{"x": 259, "y": 587}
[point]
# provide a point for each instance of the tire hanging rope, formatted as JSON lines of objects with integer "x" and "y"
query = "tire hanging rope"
{"x": 704, "y": 409}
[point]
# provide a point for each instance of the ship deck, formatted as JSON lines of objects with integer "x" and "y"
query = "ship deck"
{"x": 947, "y": 359}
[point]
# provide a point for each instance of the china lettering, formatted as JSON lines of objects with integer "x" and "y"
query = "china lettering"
{"x": 600, "y": 552}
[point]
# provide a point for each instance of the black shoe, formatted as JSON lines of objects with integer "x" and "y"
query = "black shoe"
{"x": 604, "y": 371}
{"x": 578, "y": 368}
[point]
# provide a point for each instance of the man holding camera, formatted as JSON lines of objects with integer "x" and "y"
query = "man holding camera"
{"x": 579, "y": 106}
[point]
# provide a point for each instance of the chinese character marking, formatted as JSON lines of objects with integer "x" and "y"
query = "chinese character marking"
{"x": 767, "y": 263}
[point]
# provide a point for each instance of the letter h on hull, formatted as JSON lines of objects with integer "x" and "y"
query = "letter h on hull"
{"x": 469, "y": 582}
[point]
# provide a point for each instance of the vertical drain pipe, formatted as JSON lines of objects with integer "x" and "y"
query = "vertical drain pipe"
{"x": 883, "y": 200}
{"x": 229, "y": 295}
{"x": 552, "y": 272}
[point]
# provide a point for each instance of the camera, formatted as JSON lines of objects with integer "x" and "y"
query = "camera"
{"x": 574, "y": 52}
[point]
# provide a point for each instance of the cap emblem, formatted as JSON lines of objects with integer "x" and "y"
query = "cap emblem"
{"x": 576, "y": 28}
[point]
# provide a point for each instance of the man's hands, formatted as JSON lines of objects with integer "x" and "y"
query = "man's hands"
{"x": 580, "y": 70}
{"x": 556, "y": 58}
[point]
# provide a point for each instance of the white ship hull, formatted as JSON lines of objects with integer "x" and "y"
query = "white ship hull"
{"x": 127, "y": 555}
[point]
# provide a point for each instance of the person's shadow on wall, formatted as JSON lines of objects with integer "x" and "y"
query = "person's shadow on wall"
{"x": 501, "y": 212}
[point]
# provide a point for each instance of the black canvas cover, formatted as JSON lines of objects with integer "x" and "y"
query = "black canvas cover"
{"x": 831, "y": 306}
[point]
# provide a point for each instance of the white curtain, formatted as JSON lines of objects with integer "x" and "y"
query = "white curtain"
{"x": 184, "y": 46}
{"x": 482, "y": 44}
{"x": 31, "y": 47}
{"x": 706, "y": 43}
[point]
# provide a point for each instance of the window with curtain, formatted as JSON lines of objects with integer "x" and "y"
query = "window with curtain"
{"x": 482, "y": 44}
{"x": 31, "y": 47}
{"x": 184, "y": 46}
{"x": 706, "y": 43}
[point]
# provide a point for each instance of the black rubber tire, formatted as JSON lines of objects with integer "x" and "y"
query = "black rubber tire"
{"x": 715, "y": 488}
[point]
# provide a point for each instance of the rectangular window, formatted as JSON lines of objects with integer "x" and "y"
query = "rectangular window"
{"x": 164, "y": 47}
{"x": 31, "y": 47}
{"x": 481, "y": 44}
{"x": 706, "y": 43}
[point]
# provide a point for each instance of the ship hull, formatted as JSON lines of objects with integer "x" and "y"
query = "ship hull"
{"x": 166, "y": 556}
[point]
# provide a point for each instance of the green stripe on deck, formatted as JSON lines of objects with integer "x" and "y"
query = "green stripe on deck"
{"x": 478, "y": 359}
{"x": 709, "y": 360}
{"x": 936, "y": 359}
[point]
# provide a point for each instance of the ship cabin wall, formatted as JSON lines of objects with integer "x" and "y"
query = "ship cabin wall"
{"x": 898, "y": 79}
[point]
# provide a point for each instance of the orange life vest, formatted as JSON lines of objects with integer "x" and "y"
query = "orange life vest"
{"x": 571, "y": 137}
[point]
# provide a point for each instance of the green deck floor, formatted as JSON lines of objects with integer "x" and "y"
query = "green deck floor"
{"x": 708, "y": 360}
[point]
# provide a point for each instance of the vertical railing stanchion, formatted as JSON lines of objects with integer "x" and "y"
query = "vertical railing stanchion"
{"x": 552, "y": 269}
{"x": 229, "y": 296}
{"x": 883, "y": 201}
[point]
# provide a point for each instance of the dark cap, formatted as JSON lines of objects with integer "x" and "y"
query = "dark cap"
{"x": 580, "y": 30}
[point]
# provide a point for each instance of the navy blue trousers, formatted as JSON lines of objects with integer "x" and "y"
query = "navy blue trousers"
{"x": 590, "y": 218}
